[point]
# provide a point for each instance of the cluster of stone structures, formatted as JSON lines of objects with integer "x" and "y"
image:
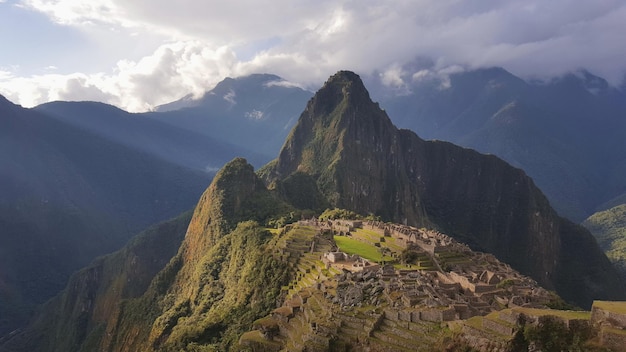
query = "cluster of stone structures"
{"x": 475, "y": 284}
{"x": 460, "y": 284}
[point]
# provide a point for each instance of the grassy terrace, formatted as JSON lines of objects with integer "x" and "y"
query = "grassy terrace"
{"x": 308, "y": 267}
{"x": 368, "y": 244}
{"x": 616, "y": 307}
{"x": 363, "y": 249}
{"x": 564, "y": 314}
{"x": 372, "y": 237}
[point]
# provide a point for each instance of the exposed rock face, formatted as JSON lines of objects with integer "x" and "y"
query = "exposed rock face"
{"x": 360, "y": 161}
{"x": 352, "y": 149}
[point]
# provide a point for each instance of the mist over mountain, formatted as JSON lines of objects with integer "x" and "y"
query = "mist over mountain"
{"x": 67, "y": 196}
{"x": 254, "y": 112}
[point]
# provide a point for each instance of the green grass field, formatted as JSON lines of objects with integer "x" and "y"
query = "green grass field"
{"x": 365, "y": 250}
{"x": 565, "y": 314}
{"x": 611, "y": 306}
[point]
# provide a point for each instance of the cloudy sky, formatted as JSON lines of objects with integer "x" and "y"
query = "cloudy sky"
{"x": 137, "y": 54}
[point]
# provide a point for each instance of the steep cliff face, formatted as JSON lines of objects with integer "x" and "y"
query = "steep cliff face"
{"x": 352, "y": 150}
{"x": 486, "y": 203}
{"x": 360, "y": 161}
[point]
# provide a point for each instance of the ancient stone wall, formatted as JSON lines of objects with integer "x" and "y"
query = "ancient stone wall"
{"x": 612, "y": 338}
{"x": 502, "y": 328}
{"x": 599, "y": 315}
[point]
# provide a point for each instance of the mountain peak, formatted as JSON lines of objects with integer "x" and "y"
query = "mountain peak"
{"x": 236, "y": 194}
{"x": 342, "y": 86}
{"x": 222, "y": 201}
{"x": 360, "y": 161}
{"x": 340, "y": 115}
{"x": 347, "y": 144}
{"x": 343, "y": 77}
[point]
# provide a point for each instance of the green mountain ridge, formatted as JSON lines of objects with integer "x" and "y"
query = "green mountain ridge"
{"x": 609, "y": 228}
{"x": 212, "y": 256}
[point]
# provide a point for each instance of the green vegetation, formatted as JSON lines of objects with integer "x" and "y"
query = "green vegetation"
{"x": 609, "y": 228}
{"x": 363, "y": 249}
{"x": 552, "y": 335}
{"x": 611, "y": 306}
{"x": 506, "y": 283}
{"x": 565, "y": 314}
{"x": 336, "y": 213}
{"x": 301, "y": 191}
{"x": 236, "y": 282}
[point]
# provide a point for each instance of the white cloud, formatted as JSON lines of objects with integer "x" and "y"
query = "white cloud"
{"x": 306, "y": 41}
{"x": 230, "y": 97}
{"x": 283, "y": 83}
{"x": 4, "y": 75}
{"x": 254, "y": 115}
{"x": 79, "y": 12}
{"x": 172, "y": 71}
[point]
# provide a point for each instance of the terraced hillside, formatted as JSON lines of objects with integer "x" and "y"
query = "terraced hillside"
{"x": 340, "y": 301}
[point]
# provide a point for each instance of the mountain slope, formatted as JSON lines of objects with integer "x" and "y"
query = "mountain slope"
{"x": 67, "y": 196}
{"x": 256, "y": 111}
{"x": 369, "y": 166}
{"x": 609, "y": 228}
{"x": 80, "y": 313}
{"x": 224, "y": 276}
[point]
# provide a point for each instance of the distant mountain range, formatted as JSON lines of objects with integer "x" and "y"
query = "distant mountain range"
{"x": 184, "y": 147}
{"x": 343, "y": 152}
{"x": 567, "y": 133}
{"x": 255, "y": 112}
{"x": 68, "y": 195}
